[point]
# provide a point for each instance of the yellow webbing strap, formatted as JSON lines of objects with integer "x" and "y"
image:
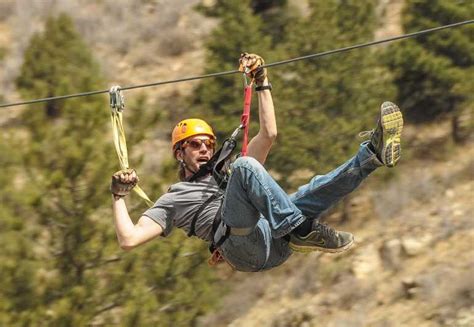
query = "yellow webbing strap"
{"x": 117, "y": 105}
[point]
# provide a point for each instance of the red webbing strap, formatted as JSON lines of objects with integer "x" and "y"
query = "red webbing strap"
{"x": 244, "y": 120}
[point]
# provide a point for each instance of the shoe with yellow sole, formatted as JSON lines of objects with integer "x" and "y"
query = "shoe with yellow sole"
{"x": 385, "y": 138}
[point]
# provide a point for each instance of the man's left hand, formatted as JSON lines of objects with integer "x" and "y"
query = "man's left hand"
{"x": 251, "y": 64}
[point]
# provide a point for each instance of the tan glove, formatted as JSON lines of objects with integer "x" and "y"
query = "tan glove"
{"x": 123, "y": 182}
{"x": 251, "y": 64}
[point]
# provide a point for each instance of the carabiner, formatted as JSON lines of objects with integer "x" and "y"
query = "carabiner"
{"x": 117, "y": 101}
{"x": 246, "y": 82}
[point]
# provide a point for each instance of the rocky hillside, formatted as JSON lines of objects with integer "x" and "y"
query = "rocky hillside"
{"x": 135, "y": 44}
{"x": 412, "y": 264}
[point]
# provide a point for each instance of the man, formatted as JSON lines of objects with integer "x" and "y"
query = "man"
{"x": 260, "y": 224}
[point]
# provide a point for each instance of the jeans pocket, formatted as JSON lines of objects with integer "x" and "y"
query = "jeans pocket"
{"x": 246, "y": 253}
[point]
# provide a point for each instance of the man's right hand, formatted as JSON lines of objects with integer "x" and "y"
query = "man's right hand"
{"x": 123, "y": 182}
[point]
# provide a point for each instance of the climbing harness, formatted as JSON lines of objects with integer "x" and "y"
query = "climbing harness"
{"x": 117, "y": 105}
{"x": 219, "y": 167}
{"x": 218, "y": 164}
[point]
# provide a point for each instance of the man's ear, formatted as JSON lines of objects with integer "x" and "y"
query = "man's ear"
{"x": 179, "y": 155}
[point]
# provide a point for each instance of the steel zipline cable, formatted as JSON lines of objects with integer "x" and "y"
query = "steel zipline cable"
{"x": 316, "y": 55}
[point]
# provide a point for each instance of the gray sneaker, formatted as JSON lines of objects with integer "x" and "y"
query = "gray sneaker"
{"x": 385, "y": 138}
{"x": 321, "y": 238}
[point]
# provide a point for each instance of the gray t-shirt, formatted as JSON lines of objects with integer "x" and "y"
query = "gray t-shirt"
{"x": 177, "y": 207}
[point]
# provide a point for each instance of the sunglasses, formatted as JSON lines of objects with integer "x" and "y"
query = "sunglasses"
{"x": 196, "y": 144}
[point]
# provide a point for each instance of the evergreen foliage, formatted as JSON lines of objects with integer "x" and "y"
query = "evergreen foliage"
{"x": 277, "y": 15}
{"x": 66, "y": 160}
{"x": 58, "y": 219}
{"x": 434, "y": 73}
{"x": 17, "y": 287}
{"x": 323, "y": 103}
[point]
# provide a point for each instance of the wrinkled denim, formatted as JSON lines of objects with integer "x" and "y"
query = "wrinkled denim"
{"x": 253, "y": 199}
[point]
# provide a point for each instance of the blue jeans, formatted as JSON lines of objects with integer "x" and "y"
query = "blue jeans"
{"x": 254, "y": 199}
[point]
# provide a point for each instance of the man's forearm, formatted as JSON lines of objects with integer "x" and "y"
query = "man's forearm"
{"x": 124, "y": 226}
{"x": 260, "y": 145}
{"x": 268, "y": 127}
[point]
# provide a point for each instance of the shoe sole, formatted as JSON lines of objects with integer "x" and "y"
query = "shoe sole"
{"x": 307, "y": 249}
{"x": 392, "y": 126}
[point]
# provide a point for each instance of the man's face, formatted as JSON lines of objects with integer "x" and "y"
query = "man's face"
{"x": 196, "y": 151}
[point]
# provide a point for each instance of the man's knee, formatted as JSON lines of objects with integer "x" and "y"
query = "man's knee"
{"x": 244, "y": 168}
{"x": 246, "y": 162}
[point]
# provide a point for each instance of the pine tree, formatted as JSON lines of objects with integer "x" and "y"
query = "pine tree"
{"x": 323, "y": 103}
{"x": 434, "y": 72}
{"x": 276, "y": 15}
{"x": 75, "y": 274}
{"x": 17, "y": 264}
{"x": 66, "y": 160}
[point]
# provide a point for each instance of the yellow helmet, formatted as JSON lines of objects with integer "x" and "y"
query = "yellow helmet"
{"x": 190, "y": 127}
